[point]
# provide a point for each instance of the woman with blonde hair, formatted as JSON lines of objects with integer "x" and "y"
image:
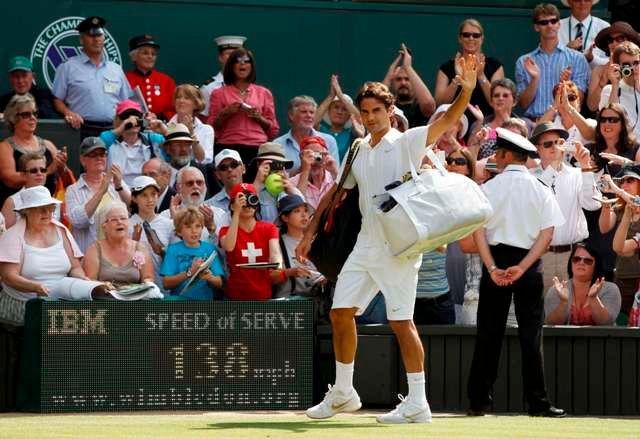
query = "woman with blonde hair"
{"x": 188, "y": 103}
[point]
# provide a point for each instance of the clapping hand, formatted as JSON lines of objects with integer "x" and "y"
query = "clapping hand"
{"x": 615, "y": 159}
{"x": 596, "y": 288}
{"x": 561, "y": 288}
{"x": 531, "y": 67}
{"x": 468, "y": 67}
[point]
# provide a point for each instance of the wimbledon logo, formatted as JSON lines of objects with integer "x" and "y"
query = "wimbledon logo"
{"x": 58, "y": 42}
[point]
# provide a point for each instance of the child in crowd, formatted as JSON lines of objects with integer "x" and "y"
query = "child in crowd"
{"x": 249, "y": 241}
{"x": 183, "y": 258}
{"x": 301, "y": 278}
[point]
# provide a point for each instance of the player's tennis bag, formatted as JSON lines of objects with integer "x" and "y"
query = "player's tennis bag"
{"x": 434, "y": 208}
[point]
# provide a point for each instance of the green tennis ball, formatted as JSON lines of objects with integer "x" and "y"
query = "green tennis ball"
{"x": 274, "y": 185}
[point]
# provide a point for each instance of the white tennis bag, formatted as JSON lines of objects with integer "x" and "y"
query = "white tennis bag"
{"x": 434, "y": 208}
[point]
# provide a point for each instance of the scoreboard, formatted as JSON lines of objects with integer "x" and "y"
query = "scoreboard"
{"x": 171, "y": 355}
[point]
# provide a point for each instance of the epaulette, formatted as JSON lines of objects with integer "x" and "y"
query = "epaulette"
{"x": 208, "y": 81}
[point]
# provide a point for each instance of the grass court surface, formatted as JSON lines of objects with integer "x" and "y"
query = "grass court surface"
{"x": 275, "y": 425}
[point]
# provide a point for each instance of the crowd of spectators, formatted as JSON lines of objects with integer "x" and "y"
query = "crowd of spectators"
{"x": 176, "y": 175}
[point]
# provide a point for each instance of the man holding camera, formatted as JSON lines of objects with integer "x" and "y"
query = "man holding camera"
{"x": 624, "y": 75}
{"x": 318, "y": 170}
{"x": 270, "y": 188}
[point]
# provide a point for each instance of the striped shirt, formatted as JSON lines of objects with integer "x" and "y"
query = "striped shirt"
{"x": 432, "y": 276}
{"x": 551, "y": 65}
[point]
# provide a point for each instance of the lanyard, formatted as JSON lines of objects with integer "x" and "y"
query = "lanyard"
{"x": 585, "y": 37}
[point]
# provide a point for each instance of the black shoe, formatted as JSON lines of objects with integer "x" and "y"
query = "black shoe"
{"x": 476, "y": 412}
{"x": 551, "y": 412}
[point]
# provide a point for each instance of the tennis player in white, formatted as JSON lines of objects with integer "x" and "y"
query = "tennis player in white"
{"x": 383, "y": 158}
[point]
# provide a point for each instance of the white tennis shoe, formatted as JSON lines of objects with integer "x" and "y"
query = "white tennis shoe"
{"x": 406, "y": 412}
{"x": 335, "y": 401}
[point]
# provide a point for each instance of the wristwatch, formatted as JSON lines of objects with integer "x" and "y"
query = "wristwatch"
{"x": 189, "y": 273}
{"x": 492, "y": 268}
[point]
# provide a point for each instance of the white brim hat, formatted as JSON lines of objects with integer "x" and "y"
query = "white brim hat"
{"x": 36, "y": 196}
{"x": 325, "y": 117}
{"x": 566, "y": 2}
{"x": 463, "y": 119}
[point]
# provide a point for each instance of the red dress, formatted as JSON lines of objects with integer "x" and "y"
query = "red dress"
{"x": 157, "y": 89}
{"x": 251, "y": 247}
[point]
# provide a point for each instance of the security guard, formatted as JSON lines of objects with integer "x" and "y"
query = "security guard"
{"x": 226, "y": 44}
{"x": 525, "y": 213}
{"x": 156, "y": 87}
{"x": 88, "y": 86}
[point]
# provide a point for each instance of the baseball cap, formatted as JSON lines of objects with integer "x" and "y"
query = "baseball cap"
{"x": 128, "y": 104}
{"x": 142, "y": 182}
{"x": 226, "y": 154}
{"x": 241, "y": 187}
{"x": 20, "y": 63}
{"x": 90, "y": 144}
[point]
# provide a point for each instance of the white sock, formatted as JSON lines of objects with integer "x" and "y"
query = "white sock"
{"x": 344, "y": 377}
{"x": 417, "y": 385}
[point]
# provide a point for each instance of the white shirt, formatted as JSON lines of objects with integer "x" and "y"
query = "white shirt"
{"x": 205, "y": 135}
{"x": 574, "y": 190}
{"x": 130, "y": 158}
{"x": 206, "y": 90}
{"x": 629, "y": 99}
{"x": 165, "y": 231}
{"x": 375, "y": 167}
{"x": 220, "y": 219}
{"x": 590, "y": 28}
{"x": 522, "y": 208}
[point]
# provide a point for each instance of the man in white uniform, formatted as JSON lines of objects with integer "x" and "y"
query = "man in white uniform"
{"x": 382, "y": 159}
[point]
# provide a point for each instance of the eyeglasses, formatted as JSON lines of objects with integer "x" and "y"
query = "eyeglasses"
{"x": 584, "y": 259}
{"x": 546, "y": 22}
{"x": 243, "y": 59}
{"x": 617, "y": 39}
{"x": 95, "y": 155}
{"x": 572, "y": 98}
{"x": 27, "y": 114}
{"x": 550, "y": 143}
{"x": 501, "y": 95}
{"x": 37, "y": 170}
{"x": 231, "y": 165}
{"x": 609, "y": 119}
{"x": 191, "y": 183}
{"x": 460, "y": 161}
{"x": 474, "y": 35}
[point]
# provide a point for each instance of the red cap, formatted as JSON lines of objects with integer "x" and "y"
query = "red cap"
{"x": 312, "y": 139}
{"x": 241, "y": 187}
{"x": 128, "y": 104}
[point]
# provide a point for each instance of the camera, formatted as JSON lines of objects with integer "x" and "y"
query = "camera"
{"x": 636, "y": 201}
{"x": 276, "y": 166}
{"x": 602, "y": 185}
{"x": 252, "y": 199}
{"x": 317, "y": 156}
{"x": 626, "y": 70}
{"x": 142, "y": 123}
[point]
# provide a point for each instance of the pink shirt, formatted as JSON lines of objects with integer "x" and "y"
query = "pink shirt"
{"x": 313, "y": 194}
{"x": 240, "y": 129}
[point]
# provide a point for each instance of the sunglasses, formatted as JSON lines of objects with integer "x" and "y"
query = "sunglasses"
{"x": 550, "y": 143}
{"x": 546, "y": 22}
{"x": 231, "y": 165}
{"x": 243, "y": 59}
{"x": 584, "y": 259}
{"x": 190, "y": 183}
{"x": 609, "y": 119}
{"x": 460, "y": 161}
{"x": 27, "y": 114}
{"x": 618, "y": 39}
{"x": 37, "y": 170}
{"x": 474, "y": 35}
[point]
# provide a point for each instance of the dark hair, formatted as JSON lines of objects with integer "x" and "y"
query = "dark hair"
{"x": 627, "y": 138}
{"x": 376, "y": 90}
{"x": 471, "y": 161}
{"x": 544, "y": 9}
{"x": 598, "y": 268}
{"x": 227, "y": 72}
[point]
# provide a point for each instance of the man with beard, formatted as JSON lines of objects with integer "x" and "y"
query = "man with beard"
{"x": 412, "y": 94}
{"x": 178, "y": 144}
{"x": 88, "y": 87}
{"x": 191, "y": 189}
{"x": 229, "y": 169}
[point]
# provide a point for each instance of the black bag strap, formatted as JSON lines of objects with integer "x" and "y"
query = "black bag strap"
{"x": 287, "y": 264}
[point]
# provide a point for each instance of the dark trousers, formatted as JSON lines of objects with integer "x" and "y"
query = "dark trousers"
{"x": 493, "y": 308}
{"x": 437, "y": 311}
{"x": 93, "y": 129}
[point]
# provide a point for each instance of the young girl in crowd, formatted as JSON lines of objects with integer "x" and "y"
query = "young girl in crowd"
{"x": 248, "y": 241}
{"x": 157, "y": 233}
{"x": 183, "y": 258}
{"x": 295, "y": 215}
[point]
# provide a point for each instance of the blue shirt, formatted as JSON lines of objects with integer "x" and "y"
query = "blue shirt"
{"x": 220, "y": 200}
{"x": 550, "y": 66}
{"x": 178, "y": 258}
{"x": 343, "y": 139}
{"x": 432, "y": 276}
{"x": 292, "y": 149}
{"x": 89, "y": 90}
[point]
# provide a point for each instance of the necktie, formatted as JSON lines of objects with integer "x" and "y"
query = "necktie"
{"x": 579, "y": 35}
